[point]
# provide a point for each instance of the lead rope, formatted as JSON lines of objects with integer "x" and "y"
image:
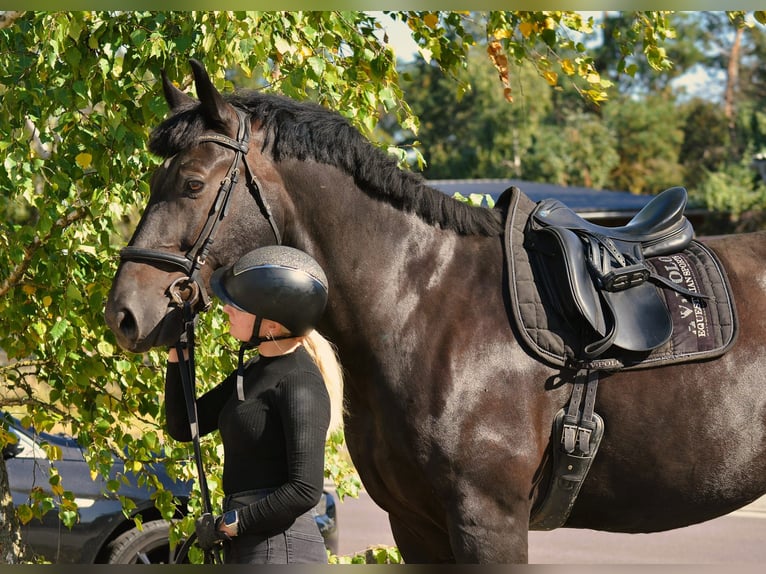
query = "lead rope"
{"x": 187, "y": 369}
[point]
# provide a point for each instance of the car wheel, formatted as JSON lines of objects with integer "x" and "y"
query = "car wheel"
{"x": 146, "y": 546}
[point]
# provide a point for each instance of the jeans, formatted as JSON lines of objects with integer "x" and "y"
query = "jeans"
{"x": 300, "y": 543}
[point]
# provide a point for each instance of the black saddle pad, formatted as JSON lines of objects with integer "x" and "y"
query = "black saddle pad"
{"x": 702, "y": 328}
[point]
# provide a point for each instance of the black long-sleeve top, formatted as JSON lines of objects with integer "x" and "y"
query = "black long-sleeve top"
{"x": 274, "y": 438}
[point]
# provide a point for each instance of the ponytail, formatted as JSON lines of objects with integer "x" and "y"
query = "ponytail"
{"x": 324, "y": 355}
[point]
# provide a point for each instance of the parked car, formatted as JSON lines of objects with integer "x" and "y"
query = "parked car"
{"x": 103, "y": 534}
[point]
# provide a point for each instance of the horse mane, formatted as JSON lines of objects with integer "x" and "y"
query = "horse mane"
{"x": 308, "y": 131}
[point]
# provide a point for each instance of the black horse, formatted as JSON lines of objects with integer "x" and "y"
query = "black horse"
{"x": 448, "y": 414}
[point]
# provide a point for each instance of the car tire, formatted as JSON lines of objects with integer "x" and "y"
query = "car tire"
{"x": 150, "y": 545}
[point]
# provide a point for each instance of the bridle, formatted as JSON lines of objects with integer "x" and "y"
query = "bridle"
{"x": 193, "y": 260}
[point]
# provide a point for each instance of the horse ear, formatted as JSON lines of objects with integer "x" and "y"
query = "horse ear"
{"x": 214, "y": 107}
{"x": 176, "y": 98}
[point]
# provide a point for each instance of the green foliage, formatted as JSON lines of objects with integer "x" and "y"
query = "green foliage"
{"x": 373, "y": 555}
{"x": 648, "y": 134}
{"x": 582, "y": 152}
{"x": 476, "y": 199}
{"x": 80, "y": 95}
{"x": 338, "y": 467}
{"x": 476, "y": 133}
{"x": 706, "y": 142}
{"x": 731, "y": 192}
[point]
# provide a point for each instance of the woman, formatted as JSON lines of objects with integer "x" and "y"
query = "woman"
{"x": 274, "y": 412}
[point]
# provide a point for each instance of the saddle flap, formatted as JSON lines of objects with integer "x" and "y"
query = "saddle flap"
{"x": 567, "y": 266}
{"x": 641, "y": 317}
{"x": 634, "y": 319}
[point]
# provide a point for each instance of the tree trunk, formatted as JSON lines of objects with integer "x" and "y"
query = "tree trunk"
{"x": 12, "y": 550}
{"x": 732, "y": 80}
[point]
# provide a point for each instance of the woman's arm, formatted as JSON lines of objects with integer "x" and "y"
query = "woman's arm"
{"x": 208, "y": 405}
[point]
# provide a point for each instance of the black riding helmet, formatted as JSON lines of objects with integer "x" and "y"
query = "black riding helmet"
{"x": 279, "y": 283}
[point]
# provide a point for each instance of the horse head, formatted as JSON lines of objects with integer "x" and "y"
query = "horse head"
{"x": 199, "y": 216}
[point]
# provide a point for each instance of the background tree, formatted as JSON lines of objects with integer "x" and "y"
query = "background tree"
{"x": 706, "y": 142}
{"x": 473, "y": 132}
{"x": 648, "y": 134}
{"x": 80, "y": 94}
{"x": 634, "y": 74}
{"x": 581, "y": 152}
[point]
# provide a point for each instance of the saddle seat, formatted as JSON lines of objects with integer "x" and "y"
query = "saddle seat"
{"x": 660, "y": 227}
{"x": 604, "y": 272}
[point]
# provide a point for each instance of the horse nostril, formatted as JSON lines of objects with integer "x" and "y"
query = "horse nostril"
{"x": 127, "y": 325}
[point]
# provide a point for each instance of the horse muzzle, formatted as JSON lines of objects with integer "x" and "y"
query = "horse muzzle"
{"x": 142, "y": 314}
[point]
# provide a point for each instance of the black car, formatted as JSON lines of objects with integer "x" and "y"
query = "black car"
{"x": 103, "y": 534}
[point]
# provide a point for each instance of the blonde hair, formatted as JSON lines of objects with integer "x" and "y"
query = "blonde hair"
{"x": 325, "y": 356}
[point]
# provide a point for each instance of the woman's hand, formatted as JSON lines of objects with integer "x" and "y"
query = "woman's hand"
{"x": 229, "y": 532}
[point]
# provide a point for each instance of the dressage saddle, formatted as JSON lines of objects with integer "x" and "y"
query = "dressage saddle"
{"x": 601, "y": 275}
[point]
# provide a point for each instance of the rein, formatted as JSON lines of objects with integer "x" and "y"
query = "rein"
{"x": 188, "y": 382}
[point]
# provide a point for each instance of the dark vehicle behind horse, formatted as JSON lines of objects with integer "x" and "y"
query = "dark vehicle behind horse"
{"x": 458, "y": 356}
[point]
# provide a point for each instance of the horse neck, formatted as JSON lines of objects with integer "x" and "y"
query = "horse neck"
{"x": 380, "y": 261}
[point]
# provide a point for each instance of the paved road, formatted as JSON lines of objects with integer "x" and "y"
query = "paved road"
{"x": 737, "y": 538}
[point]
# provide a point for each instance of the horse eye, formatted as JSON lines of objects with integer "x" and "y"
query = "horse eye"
{"x": 194, "y": 186}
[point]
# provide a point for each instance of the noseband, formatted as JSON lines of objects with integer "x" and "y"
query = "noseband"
{"x": 189, "y": 289}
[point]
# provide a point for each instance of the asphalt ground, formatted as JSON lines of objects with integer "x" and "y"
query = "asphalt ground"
{"x": 736, "y": 538}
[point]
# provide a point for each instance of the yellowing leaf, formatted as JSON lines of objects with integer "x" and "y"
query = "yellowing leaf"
{"x": 431, "y": 20}
{"x": 105, "y": 348}
{"x": 551, "y": 77}
{"x": 47, "y": 300}
{"x": 526, "y": 29}
{"x": 25, "y": 513}
{"x": 501, "y": 33}
{"x": 29, "y": 289}
{"x": 84, "y": 160}
{"x": 567, "y": 67}
{"x": 593, "y": 78}
{"x": 283, "y": 46}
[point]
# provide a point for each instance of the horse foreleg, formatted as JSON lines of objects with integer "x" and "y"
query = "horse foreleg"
{"x": 420, "y": 541}
{"x": 485, "y": 531}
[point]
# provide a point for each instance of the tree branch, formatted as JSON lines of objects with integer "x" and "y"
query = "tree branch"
{"x": 29, "y": 252}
